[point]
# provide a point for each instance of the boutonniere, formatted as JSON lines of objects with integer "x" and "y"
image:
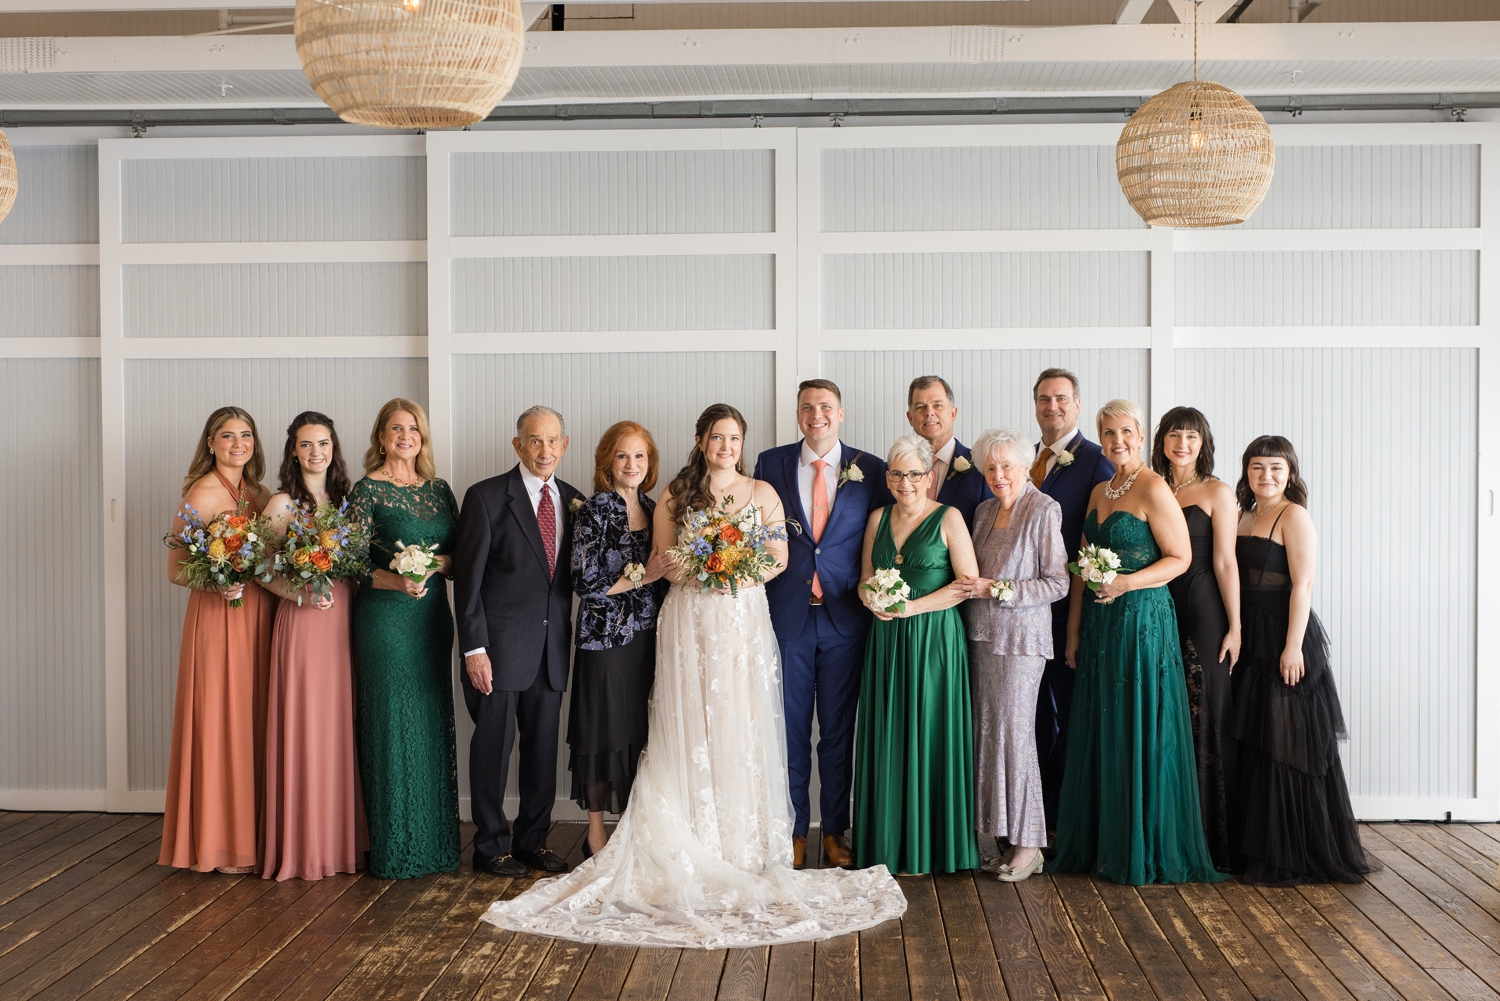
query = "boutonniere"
{"x": 850, "y": 473}
{"x": 960, "y": 465}
{"x": 1065, "y": 458}
{"x": 574, "y": 506}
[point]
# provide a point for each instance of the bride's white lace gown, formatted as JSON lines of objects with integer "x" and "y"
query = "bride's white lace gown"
{"x": 702, "y": 856}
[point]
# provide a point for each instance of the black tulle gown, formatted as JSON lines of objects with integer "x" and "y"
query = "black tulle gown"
{"x": 1290, "y": 821}
{"x": 1201, "y": 625}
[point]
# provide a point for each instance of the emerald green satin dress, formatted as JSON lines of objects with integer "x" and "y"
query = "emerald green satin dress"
{"x": 914, "y": 747}
{"x": 1129, "y": 805}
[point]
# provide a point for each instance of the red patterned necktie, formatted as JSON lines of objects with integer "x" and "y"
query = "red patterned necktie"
{"x": 546, "y": 520}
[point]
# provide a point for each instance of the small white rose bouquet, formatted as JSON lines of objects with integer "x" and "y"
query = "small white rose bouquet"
{"x": 1003, "y": 590}
{"x": 888, "y": 591}
{"x": 414, "y": 561}
{"x": 1096, "y": 567}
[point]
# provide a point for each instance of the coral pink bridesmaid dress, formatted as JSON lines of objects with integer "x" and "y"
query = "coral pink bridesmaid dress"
{"x": 314, "y": 823}
{"x": 214, "y": 780}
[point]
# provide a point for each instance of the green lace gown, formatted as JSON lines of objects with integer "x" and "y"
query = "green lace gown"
{"x": 914, "y": 745}
{"x": 403, "y": 652}
{"x": 1129, "y": 805}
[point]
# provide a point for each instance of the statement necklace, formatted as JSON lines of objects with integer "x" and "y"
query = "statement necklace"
{"x": 1114, "y": 494}
{"x": 386, "y": 469}
{"x": 1181, "y": 486}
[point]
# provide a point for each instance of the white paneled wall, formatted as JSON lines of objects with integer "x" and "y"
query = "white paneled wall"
{"x": 646, "y": 274}
{"x": 159, "y": 443}
{"x": 51, "y": 608}
{"x": 1395, "y": 583}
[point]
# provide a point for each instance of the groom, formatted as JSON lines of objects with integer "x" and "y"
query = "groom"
{"x": 829, "y": 489}
{"x": 1067, "y": 467}
{"x": 515, "y": 603}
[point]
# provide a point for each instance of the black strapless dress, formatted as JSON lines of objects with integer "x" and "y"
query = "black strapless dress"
{"x": 1201, "y": 625}
{"x": 1291, "y": 821}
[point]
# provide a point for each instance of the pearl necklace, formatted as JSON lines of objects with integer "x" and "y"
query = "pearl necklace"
{"x": 1114, "y": 494}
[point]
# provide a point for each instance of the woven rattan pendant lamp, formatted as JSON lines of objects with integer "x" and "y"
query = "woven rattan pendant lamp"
{"x": 410, "y": 64}
{"x": 9, "y": 177}
{"x": 1196, "y": 155}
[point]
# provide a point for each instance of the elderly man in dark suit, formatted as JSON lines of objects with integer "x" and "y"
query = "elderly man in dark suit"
{"x": 1066, "y": 468}
{"x": 931, "y": 411}
{"x": 515, "y": 606}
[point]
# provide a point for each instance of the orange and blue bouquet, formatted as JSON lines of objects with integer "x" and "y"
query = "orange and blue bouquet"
{"x": 722, "y": 550}
{"x": 226, "y": 550}
{"x": 321, "y": 547}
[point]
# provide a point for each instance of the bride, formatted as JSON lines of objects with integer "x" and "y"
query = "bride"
{"x": 702, "y": 856}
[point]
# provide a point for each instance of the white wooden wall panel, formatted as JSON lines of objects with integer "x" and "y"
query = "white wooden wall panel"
{"x": 51, "y": 661}
{"x": 924, "y": 291}
{"x": 699, "y": 292}
{"x": 1396, "y": 570}
{"x": 365, "y": 299}
{"x": 1329, "y": 288}
{"x": 61, "y": 204}
{"x": 287, "y": 198}
{"x": 166, "y": 403}
{"x": 613, "y": 192}
{"x": 973, "y": 187}
{"x": 49, "y": 300}
{"x": 1372, "y": 187}
{"x": 664, "y": 391}
{"x": 993, "y": 387}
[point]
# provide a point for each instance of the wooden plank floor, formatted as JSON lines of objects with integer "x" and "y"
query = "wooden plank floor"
{"x": 85, "y": 912}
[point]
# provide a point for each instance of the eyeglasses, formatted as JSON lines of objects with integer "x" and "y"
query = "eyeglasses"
{"x": 896, "y": 477}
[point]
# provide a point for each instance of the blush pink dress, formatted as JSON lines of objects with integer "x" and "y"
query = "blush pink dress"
{"x": 313, "y": 822}
{"x": 214, "y": 779}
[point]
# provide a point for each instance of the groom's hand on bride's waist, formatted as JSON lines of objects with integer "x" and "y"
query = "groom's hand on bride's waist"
{"x": 480, "y": 676}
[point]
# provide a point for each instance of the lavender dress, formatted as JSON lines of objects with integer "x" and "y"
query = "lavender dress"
{"x": 1009, "y": 645}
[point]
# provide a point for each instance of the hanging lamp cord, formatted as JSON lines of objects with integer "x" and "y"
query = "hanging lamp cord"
{"x": 1195, "y": 39}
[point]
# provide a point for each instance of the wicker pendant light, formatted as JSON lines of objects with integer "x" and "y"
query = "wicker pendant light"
{"x": 9, "y": 177}
{"x": 1195, "y": 155}
{"x": 410, "y": 64}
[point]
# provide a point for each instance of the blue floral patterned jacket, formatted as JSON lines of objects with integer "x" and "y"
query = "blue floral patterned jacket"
{"x": 602, "y": 545}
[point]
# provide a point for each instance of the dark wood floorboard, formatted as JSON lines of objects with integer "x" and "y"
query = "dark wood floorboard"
{"x": 85, "y": 912}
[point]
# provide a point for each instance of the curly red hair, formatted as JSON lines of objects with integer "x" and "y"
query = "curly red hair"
{"x": 604, "y": 455}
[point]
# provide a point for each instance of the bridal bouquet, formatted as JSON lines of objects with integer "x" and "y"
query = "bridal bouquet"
{"x": 723, "y": 550}
{"x": 1096, "y": 567}
{"x": 226, "y": 550}
{"x": 888, "y": 591}
{"x": 413, "y": 561}
{"x": 321, "y": 547}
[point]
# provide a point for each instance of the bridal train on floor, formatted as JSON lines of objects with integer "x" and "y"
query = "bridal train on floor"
{"x": 702, "y": 856}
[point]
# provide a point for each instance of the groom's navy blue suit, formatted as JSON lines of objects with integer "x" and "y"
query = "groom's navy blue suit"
{"x": 822, "y": 646}
{"x": 1070, "y": 486}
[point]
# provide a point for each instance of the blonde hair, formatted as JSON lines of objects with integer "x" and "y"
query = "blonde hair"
{"x": 375, "y": 456}
{"x": 203, "y": 457}
{"x": 1121, "y": 408}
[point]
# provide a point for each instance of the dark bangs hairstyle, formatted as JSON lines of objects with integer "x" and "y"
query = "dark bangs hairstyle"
{"x": 690, "y": 489}
{"x": 291, "y": 470}
{"x": 1270, "y": 446}
{"x": 1183, "y": 419}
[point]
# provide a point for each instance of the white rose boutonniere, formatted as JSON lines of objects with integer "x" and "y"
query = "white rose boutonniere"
{"x": 1003, "y": 590}
{"x": 575, "y": 505}
{"x": 850, "y": 474}
{"x": 962, "y": 465}
{"x": 1065, "y": 458}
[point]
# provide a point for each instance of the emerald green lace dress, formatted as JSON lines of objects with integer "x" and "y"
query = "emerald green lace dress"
{"x": 914, "y": 744}
{"x": 1129, "y": 805}
{"x": 403, "y": 654}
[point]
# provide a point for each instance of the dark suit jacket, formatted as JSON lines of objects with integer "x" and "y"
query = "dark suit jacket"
{"x": 836, "y": 557}
{"x": 506, "y": 604}
{"x": 966, "y": 490}
{"x": 1071, "y": 486}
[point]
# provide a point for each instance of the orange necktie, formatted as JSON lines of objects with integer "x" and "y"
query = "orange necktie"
{"x": 819, "y": 515}
{"x": 1039, "y": 467}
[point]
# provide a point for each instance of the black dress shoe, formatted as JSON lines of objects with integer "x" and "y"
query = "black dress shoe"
{"x": 543, "y": 858}
{"x": 500, "y": 865}
{"x": 588, "y": 850}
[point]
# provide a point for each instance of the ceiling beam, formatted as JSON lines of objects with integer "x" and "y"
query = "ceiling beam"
{"x": 1209, "y": 11}
{"x": 1132, "y": 11}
